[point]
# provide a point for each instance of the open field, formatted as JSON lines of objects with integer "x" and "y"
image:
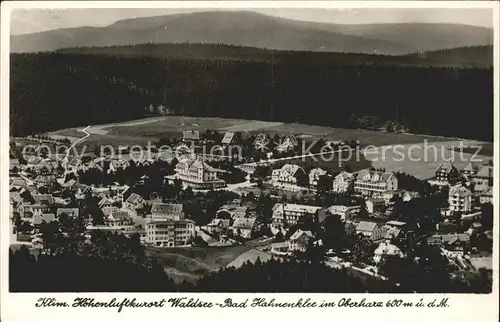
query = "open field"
{"x": 365, "y": 137}
{"x": 191, "y": 263}
{"x": 408, "y": 157}
{"x": 250, "y": 256}
{"x": 154, "y": 128}
{"x": 422, "y": 160}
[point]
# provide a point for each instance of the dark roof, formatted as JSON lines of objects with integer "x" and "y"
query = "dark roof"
{"x": 167, "y": 208}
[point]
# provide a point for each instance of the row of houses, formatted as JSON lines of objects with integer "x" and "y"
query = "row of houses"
{"x": 366, "y": 182}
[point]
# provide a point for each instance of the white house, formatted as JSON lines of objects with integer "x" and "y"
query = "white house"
{"x": 386, "y": 249}
{"x": 299, "y": 240}
{"x": 460, "y": 199}
{"x": 343, "y": 182}
{"x": 314, "y": 176}
{"x": 287, "y": 174}
{"x": 290, "y": 214}
{"x": 373, "y": 182}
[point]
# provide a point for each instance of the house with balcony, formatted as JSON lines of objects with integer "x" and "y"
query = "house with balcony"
{"x": 374, "y": 183}
{"x": 197, "y": 174}
{"x": 167, "y": 211}
{"x": 299, "y": 241}
{"x": 345, "y": 212}
{"x": 460, "y": 199}
{"x": 287, "y": 214}
{"x": 289, "y": 174}
{"x": 170, "y": 233}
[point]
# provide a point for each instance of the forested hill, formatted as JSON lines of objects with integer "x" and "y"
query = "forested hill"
{"x": 475, "y": 56}
{"x": 54, "y": 90}
{"x": 247, "y": 28}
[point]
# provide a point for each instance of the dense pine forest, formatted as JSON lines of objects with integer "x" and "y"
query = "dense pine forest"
{"x": 58, "y": 90}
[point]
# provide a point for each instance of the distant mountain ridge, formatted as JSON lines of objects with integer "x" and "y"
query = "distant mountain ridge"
{"x": 244, "y": 28}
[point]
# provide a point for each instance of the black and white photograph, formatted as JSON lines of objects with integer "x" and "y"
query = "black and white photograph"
{"x": 250, "y": 150}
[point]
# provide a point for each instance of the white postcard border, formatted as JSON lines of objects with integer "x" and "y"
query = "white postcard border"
{"x": 20, "y": 306}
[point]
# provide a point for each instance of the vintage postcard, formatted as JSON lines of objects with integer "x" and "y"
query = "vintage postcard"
{"x": 268, "y": 160}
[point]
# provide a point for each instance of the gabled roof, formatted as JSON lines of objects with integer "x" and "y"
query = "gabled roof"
{"x": 299, "y": 233}
{"x": 383, "y": 176}
{"x": 396, "y": 223}
{"x": 366, "y": 226}
{"x": 485, "y": 172}
{"x": 345, "y": 175}
{"x": 228, "y": 137}
{"x": 446, "y": 167}
{"x": 134, "y": 198}
{"x": 291, "y": 169}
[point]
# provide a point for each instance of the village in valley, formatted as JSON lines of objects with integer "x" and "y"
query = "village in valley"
{"x": 268, "y": 201}
{"x": 253, "y": 150}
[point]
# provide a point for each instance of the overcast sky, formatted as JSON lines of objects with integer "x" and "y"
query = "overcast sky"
{"x": 35, "y": 20}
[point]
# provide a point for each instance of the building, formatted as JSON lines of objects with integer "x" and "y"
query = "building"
{"x": 288, "y": 174}
{"x": 447, "y": 173}
{"x": 460, "y": 199}
{"x": 70, "y": 212}
{"x": 483, "y": 179}
{"x": 244, "y": 227}
{"x": 385, "y": 249}
{"x": 279, "y": 248}
{"x": 190, "y": 136}
{"x": 229, "y": 138}
{"x": 299, "y": 241}
{"x": 289, "y": 214}
{"x": 218, "y": 225}
{"x": 375, "y": 205}
{"x": 486, "y": 196}
{"x": 314, "y": 176}
{"x": 117, "y": 218}
{"x": 197, "y": 174}
{"x": 261, "y": 142}
{"x": 167, "y": 211}
{"x": 287, "y": 143}
{"x": 38, "y": 219}
{"x": 369, "y": 229}
{"x": 169, "y": 233}
{"x": 135, "y": 202}
{"x": 396, "y": 224}
{"x": 343, "y": 182}
{"x": 455, "y": 243}
{"x": 345, "y": 212}
{"x": 470, "y": 169}
{"x": 373, "y": 182}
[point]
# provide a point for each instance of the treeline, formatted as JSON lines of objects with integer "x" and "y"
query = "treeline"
{"x": 52, "y": 90}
